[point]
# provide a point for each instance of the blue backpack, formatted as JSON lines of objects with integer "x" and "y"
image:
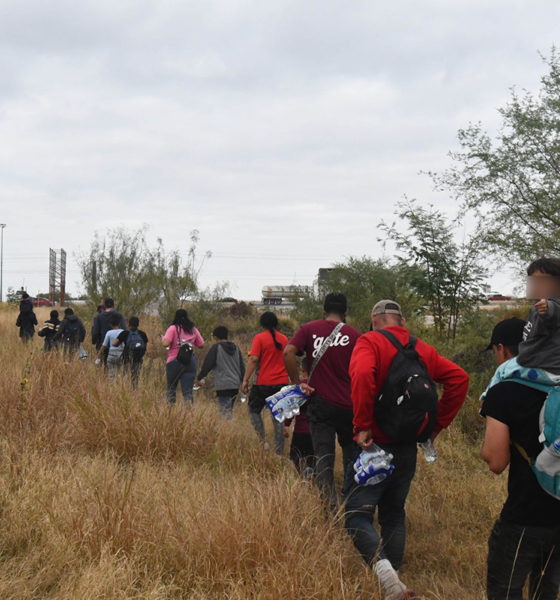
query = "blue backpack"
{"x": 546, "y": 465}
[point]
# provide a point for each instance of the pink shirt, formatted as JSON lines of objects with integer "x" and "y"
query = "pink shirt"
{"x": 193, "y": 338}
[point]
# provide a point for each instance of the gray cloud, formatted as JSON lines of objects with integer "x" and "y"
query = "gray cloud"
{"x": 276, "y": 128}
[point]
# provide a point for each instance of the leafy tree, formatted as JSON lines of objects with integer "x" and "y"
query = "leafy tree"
{"x": 13, "y": 296}
{"x": 447, "y": 275}
{"x": 513, "y": 181}
{"x": 122, "y": 266}
{"x": 364, "y": 281}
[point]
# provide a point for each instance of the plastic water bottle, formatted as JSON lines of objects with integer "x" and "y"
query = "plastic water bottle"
{"x": 285, "y": 403}
{"x": 373, "y": 466}
{"x": 243, "y": 398}
{"x": 430, "y": 453}
{"x": 289, "y": 406}
{"x": 197, "y": 387}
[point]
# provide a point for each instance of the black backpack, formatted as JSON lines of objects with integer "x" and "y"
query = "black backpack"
{"x": 406, "y": 409}
{"x": 135, "y": 345}
{"x": 186, "y": 350}
{"x": 71, "y": 332}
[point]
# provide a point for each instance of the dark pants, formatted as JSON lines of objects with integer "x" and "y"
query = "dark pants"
{"x": 328, "y": 423}
{"x": 134, "y": 367}
{"x": 225, "y": 403}
{"x": 178, "y": 373}
{"x": 257, "y": 401}
{"x": 517, "y": 553}
{"x": 389, "y": 498}
{"x": 301, "y": 452}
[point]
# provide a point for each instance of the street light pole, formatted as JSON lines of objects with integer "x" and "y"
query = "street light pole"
{"x": 2, "y": 225}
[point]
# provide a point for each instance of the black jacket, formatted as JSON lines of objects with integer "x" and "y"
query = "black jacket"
{"x": 101, "y": 326}
{"x": 71, "y": 331}
{"x": 26, "y": 320}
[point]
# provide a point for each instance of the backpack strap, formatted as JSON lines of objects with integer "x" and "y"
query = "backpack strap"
{"x": 324, "y": 347}
{"x": 392, "y": 338}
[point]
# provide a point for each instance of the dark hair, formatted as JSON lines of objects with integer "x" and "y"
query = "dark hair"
{"x": 24, "y": 296}
{"x": 114, "y": 320}
{"x": 550, "y": 266}
{"x": 335, "y": 304}
{"x": 108, "y": 303}
{"x": 514, "y": 350}
{"x": 68, "y": 312}
{"x": 269, "y": 321}
{"x": 54, "y": 315}
{"x": 133, "y": 322}
{"x": 182, "y": 320}
{"x": 221, "y": 332}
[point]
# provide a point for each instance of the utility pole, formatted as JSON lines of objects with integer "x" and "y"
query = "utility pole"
{"x": 2, "y": 226}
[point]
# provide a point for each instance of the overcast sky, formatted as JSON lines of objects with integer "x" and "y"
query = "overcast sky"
{"x": 284, "y": 131}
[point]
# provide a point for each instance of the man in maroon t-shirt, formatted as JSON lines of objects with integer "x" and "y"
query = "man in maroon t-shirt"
{"x": 329, "y": 410}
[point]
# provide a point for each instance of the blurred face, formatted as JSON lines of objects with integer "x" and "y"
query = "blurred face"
{"x": 542, "y": 285}
{"x": 381, "y": 321}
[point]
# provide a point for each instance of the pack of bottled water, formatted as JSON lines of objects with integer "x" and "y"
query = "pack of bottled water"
{"x": 373, "y": 466}
{"x": 285, "y": 404}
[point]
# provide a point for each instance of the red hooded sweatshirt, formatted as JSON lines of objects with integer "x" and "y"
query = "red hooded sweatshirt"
{"x": 369, "y": 365}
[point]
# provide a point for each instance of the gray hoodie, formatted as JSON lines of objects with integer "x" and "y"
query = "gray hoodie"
{"x": 226, "y": 360}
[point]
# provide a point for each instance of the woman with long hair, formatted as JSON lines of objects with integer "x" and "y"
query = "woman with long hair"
{"x": 266, "y": 355}
{"x": 180, "y": 333}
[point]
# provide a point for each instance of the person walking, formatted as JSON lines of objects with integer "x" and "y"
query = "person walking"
{"x": 26, "y": 320}
{"x": 112, "y": 347}
{"x": 301, "y": 446}
{"x": 525, "y": 540}
{"x": 327, "y": 344}
{"x": 101, "y": 325}
{"x": 71, "y": 333}
{"x": 180, "y": 339}
{"x": 135, "y": 345}
{"x": 384, "y": 361}
{"x": 49, "y": 331}
{"x": 225, "y": 360}
{"x": 265, "y": 358}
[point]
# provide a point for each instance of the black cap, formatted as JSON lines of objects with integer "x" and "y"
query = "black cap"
{"x": 508, "y": 332}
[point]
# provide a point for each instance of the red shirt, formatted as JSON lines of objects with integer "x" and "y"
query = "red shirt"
{"x": 271, "y": 361}
{"x": 370, "y": 364}
{"x": 330, "y": 379}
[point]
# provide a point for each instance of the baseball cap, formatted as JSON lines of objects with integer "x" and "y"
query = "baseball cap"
{"x": 387, "y": 307}
{"x": 508, "y": 332}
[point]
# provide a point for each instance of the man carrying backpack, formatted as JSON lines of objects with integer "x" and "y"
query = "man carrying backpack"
{"x": 395, "y": 406}
{"x": 71, "y": 332}
{"x": 525, "y": 541}
{"x": 135, "y": 345}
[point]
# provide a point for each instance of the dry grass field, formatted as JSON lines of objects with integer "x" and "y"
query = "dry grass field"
{"x": 110, "y": 494}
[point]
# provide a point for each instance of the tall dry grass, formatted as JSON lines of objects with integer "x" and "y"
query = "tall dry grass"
{"x": 110, "y": 494}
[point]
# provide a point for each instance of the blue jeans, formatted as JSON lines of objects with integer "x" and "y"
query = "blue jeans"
{"x": 389, "y": 498}
{"x": 179, "y": 373}
{"x": 517, "y": 553}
